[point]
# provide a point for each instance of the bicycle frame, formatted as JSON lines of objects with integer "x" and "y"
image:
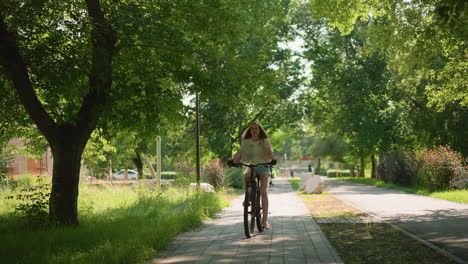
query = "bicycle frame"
{"x": 252, "y": 200}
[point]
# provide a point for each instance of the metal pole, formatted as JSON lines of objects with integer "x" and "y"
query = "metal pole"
{"x": 158, "y": 164}
{"x": 197, "y": 110}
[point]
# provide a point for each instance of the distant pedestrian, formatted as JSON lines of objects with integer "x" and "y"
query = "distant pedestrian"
{"x": 291, "y": 173}
{"x": 310, "y": 167}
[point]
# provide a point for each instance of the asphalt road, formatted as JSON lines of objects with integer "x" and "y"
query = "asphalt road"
{"x": 440, "y": 222}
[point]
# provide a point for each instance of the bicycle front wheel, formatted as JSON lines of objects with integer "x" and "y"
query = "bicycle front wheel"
{"x": 258, "y": 212}
{"x": 249, "y": 212}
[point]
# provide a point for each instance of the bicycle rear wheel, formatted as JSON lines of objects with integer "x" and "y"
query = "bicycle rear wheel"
{"x": 249, "y": 212}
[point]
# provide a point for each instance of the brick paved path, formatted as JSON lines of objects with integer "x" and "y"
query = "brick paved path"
{"x": 295, "y": 237}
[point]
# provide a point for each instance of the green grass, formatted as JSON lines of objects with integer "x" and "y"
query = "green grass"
{"x": 118, "y": 224}
{"x": 460, "y": 196}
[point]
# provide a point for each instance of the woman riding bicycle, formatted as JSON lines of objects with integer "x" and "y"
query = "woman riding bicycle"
{"x": 256, "y": 148}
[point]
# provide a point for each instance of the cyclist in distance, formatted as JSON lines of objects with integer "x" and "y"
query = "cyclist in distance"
{"x": 256, "y": 148}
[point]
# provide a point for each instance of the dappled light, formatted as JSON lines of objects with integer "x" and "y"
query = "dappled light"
{"x": 294, "y": 237}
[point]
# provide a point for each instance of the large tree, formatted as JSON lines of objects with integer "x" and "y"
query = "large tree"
{"x": 349, "y": 93}
{"x": 79, "y": 65}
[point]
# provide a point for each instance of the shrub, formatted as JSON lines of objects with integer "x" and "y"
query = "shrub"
{"x": 185, "y": 172}
{"x": 213, "y": 173}
{"x": 183, "y": 167}
{"x": 34, "y": 202}
{"x": 398, "y": 168}
{"x": 234, "y": 177}
{"x": 441, "y": 168}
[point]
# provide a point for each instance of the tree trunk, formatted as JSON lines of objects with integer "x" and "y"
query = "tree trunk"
{"x": 362, "y": 166}
{"x": 381, "y": 167}
{"x": 352, "y": 171}
{"x": 138, "y": 163}
{"x": 317, "y": 170}
{"x": 63, "y": 202}
{"x": 374, "y": 167}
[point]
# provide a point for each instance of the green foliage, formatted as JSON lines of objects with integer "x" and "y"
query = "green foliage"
{"x": 234, "y": 178}
{"x": 424, "y": 41}
{"x": 34, "y": 202}
{"x": 259, "y": 83}
{"x": 14, "y": 121}
{"x": 349, "y": 98}
{"x": 398, "y": 168}
{"x": 5, "y": 161}
{"x": 446, "y": 127}
{"x": 435, "y": 170}
{"x": 185, "y": 170}
{"x": 385, "y": 76}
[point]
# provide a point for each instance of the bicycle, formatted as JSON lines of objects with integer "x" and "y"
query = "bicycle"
{"x": 252, "y": 209}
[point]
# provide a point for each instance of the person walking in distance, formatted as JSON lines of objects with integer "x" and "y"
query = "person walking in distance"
{"x": 256, "y": 148}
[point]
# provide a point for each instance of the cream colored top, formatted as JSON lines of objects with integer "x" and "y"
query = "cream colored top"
{"x": 255, "y": 152}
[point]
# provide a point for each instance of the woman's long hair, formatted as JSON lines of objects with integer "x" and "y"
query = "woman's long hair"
{"x": 261, "y": 135}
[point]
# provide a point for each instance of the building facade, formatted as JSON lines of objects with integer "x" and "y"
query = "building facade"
{"x": 21, "y": 164}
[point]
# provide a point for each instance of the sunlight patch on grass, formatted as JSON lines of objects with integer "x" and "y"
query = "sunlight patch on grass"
{"x": 460, "y": 196}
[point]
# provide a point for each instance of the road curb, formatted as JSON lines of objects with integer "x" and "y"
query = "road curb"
{"x": 425, "y": 242}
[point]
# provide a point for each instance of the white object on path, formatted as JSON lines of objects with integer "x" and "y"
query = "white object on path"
{"x": 311, "y": 184}
{"x": 203, "y": 186}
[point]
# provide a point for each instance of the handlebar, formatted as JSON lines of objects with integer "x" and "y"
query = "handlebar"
{"x": 266, "y": 165}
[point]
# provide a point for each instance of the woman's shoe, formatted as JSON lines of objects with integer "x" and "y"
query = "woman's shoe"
{"x": 267, "y": 226}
